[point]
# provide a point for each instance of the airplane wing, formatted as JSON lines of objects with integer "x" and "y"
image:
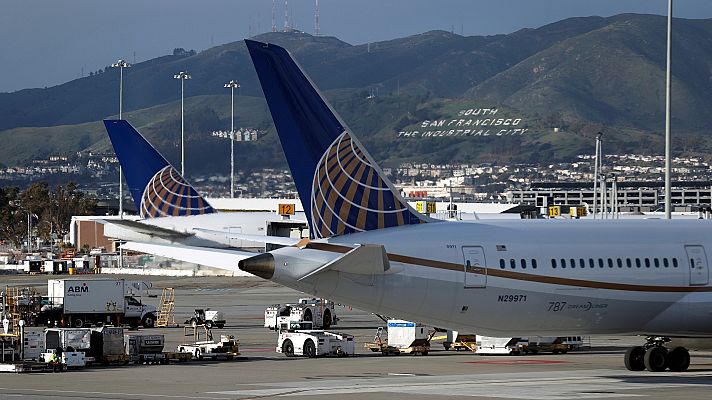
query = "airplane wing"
{"x": 284, "y": 241}
{"x": 217, "y": 258}
{"x": 146, "y": 229}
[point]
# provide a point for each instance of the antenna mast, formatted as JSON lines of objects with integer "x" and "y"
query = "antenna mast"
{"x": 286, "y": 16}
{"x": 316, "y": 19}
{"x": 274, "y": 12}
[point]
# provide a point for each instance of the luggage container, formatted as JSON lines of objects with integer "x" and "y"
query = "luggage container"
{"x": 146, "y": 349}
{"x": 34, "y": 344}
{"x": 68, "y": 339}
{"x": 107, "y": 345}
{"x": 403, "y": 337}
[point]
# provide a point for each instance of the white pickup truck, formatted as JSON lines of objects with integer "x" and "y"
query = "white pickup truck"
{"x": 321, "y": 312}
{"x": 298, "y": 338}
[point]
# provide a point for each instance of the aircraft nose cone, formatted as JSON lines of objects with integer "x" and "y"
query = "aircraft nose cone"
{"x": 261, "y": 265}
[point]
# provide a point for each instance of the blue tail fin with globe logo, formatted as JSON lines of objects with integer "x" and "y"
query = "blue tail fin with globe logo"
{"x": 156, "y": 187}
{"x": 341, "y": 188}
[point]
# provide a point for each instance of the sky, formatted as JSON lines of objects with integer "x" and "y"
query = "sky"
{"x": 48, "y": 42}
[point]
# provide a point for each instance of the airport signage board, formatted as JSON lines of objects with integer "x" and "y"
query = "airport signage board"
{"x": 425, "y": 207}
{"x": 285, "y": 209}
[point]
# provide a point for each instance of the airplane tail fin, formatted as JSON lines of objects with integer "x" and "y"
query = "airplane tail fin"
{"x": 156, "y": 187}
{"x": 341, "y": 188}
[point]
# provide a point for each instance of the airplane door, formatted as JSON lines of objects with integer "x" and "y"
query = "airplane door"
{"x": 697, "y": 261}
{"x": 475, "y": 266}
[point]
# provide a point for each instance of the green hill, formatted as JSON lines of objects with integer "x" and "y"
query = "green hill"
{"x": 581, "y": 75}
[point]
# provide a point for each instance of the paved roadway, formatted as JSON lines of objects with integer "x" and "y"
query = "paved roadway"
{"x": 597, "y": 373}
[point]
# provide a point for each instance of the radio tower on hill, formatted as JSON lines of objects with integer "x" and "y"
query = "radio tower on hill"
{"x": 316, "y": 19}
{"x": 274, "y": 11}
{"x": 286, "y": 16}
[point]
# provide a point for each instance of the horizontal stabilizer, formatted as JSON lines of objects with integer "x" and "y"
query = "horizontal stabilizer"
{"x": 366, "y": 259}
{"x": 146, "y": 229}
{"x": 280, "y": 240}
{"x": 209, "y": 257}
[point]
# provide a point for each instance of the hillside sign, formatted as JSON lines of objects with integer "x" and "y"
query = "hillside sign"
{"x": 469, "y": 122}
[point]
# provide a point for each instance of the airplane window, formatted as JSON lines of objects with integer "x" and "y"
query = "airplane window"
{"x": 563, "y": 263}
{"x": 674, "y": 262}
{"x": 610, "y": 263}
{"x": 637, "y": 262}
{"x": 620, "y": 263}
{"x": 501, "y": 263}
{"x": 513, "y": 263}
{"x": 573, "y": 263}
{"x": 553, "y": 263}
{"x": 524, "y": 263}
{"x": 582, "y": 263}
{"x": 665, "y": 262}
{"x": 692, "y": 263}
{"x": 657, "y": 262}
{"x": 533, "y": 263}
{"x": 591, "y": 263}
{"x": 600, "y": 263}
{"x": 647, "y": 263}
{"x": 628, "y": 263}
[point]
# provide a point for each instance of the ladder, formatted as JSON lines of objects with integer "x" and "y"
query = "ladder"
{"x": 165, "y": 314}
{"x": 11, "y": 296}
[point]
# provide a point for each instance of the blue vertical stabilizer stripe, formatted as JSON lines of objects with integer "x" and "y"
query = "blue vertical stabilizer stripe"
{"x": 341, "y": 188}
{"x": 157, "y": 189}
{"x": 140, "y": 161}
{"x": 305, "y": 123}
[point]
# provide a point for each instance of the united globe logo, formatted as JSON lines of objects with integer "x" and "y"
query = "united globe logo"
{"x": 348, "y": 195}
{"x": 168, "y": 194}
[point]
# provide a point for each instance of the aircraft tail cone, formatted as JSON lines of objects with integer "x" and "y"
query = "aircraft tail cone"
{"x": 261, "y": 265}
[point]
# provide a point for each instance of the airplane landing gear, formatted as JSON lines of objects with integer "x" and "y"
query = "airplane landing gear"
{"x": 655, "y": 357}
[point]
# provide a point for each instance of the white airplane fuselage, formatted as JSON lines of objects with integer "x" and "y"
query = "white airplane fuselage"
{"x": 617, "y": 277}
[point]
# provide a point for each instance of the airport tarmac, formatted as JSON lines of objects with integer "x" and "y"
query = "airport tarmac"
{"x": 595, "y": 373}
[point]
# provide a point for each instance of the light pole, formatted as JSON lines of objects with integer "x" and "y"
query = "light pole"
{"x": 596, "y": 160}
{"x": 232, "y": 85}
{"x": 668, "y": 162}
{"x": 182, "y": 75}
{"x": 121, "y": 64}
{"x": 17, "y": 204}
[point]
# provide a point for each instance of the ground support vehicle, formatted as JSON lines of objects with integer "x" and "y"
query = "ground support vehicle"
{"x": 85, "y": 302}
{"x": 209, "y": 318}
{"x": 458, "y": 341}
{"x": 321, "y": 312}
{"x": 69, "y": 359}
{"x": 227, "y": 348}
{"x": 497, "y": 346}
{"x": 296, "y": 338}
{"x": 554, "y": 345}
{"x": 148, "y": 349}
{"x": 404, "y": 337}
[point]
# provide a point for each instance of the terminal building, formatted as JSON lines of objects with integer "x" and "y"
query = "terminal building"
{"x": 632, "y": 196}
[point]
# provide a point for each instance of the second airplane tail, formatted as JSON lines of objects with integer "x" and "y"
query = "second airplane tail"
{"x": 156, "y": 187}
{"x": 341, "y": 188}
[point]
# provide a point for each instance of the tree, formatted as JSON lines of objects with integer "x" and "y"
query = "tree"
{"x": 51, "y": 211}
{"x": 35, "y": 200}
{"x": 67, "y": 201}
{"x": 12, "y": 219}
